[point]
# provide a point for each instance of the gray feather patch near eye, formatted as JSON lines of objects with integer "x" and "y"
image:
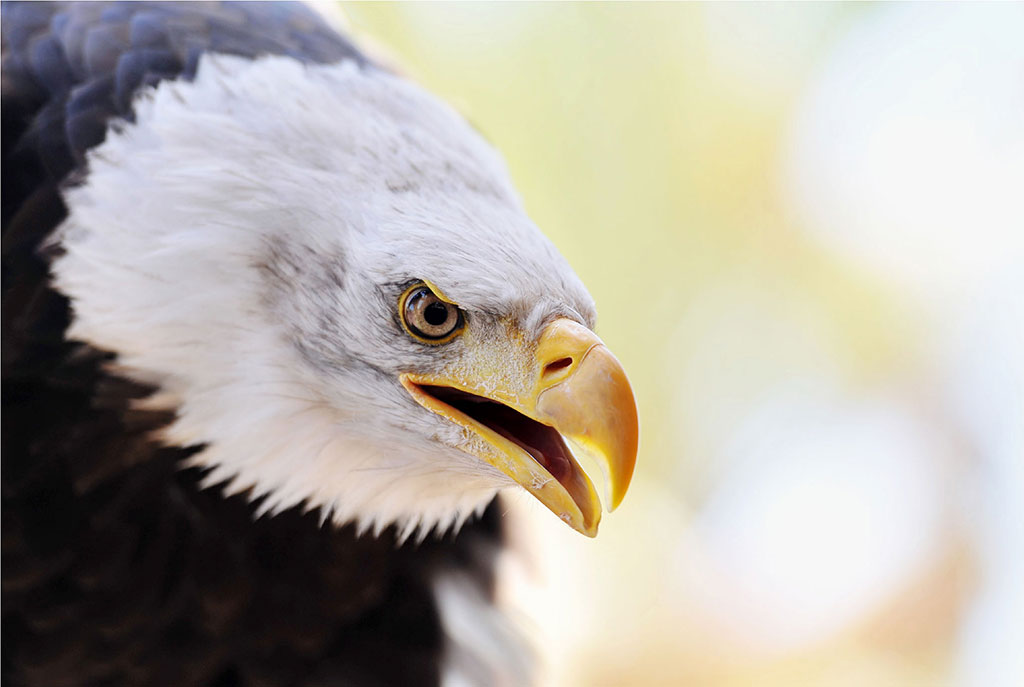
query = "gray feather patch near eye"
{"x": 304, "y": 290}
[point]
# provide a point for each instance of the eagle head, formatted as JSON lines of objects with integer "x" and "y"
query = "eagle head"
{"x": 327, "y": 275}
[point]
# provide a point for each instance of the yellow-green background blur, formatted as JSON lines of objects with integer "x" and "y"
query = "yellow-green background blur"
{"x": 802, "y": 225}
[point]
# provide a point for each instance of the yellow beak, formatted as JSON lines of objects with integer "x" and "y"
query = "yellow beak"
{"x": 571, "y": 387}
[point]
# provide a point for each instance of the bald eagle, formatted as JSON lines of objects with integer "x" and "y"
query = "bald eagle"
{"x": 269, "y": 312}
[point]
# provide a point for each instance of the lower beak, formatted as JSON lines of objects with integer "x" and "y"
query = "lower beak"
{"x": 574, "y": 389}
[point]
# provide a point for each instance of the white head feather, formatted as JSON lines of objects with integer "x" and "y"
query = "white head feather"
{"x": 242, "y": 245}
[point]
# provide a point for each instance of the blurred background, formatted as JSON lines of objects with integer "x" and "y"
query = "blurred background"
{"x": 803, "y": 226}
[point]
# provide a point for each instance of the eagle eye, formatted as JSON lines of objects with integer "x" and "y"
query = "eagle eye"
{"x": 426, "y": 317}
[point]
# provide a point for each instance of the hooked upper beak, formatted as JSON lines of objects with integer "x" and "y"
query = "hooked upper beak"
{"x": 574, "y": 390}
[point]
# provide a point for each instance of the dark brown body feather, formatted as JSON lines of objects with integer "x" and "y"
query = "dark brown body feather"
{"x": 117, "y": 568}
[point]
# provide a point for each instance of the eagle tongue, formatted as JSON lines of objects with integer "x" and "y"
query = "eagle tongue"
{"x": 556, "y": 463}
{"x": 544, "y": 444}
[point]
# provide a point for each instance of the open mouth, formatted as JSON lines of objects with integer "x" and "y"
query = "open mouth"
{"x": 543, "y": 443}
{"x": 532, "y": 453}
{"x": 520, "y": 419}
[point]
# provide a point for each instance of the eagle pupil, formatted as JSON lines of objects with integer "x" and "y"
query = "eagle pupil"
{"x": 435, "y": 314}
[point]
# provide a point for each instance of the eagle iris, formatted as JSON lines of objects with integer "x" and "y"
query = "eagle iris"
{"x": 427, "y": 318}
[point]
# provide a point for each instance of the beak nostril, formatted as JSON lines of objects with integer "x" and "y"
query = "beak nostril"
{"x": 556, "y": 366}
